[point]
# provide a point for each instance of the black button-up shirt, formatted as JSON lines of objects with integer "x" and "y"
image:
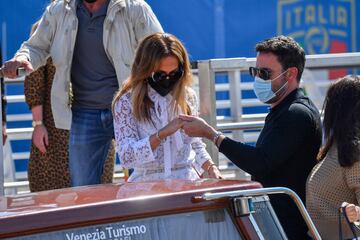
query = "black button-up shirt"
{"x": 284, "y": 155}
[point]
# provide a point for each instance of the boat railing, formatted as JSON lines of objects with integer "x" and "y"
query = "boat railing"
{"x": 243, "y": 200}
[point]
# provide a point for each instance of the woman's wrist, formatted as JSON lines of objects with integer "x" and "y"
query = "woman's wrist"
{"x": 159, "y": 135}
{"x": 208, "y": 165}
{"x": 212, "y": 165}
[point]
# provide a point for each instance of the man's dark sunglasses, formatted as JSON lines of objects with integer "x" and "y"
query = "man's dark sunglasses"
{"x": 172, "y": 76}
{"x": 262, "y": 73}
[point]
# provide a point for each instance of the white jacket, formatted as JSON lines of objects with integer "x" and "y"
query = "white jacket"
{"x": 126, "y": 23}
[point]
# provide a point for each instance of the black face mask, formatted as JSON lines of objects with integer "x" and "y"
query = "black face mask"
{"x": 90, "y": 1}
{"x": 164, "y": 83}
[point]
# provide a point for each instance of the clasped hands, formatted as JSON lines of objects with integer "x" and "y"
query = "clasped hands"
{"x": 191, "y": 125}
{"x": 194, "y": 127}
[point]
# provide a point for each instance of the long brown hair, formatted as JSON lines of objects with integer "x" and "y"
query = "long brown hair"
{"x": 342, "y": 120}
{"x": 151, "y": 50}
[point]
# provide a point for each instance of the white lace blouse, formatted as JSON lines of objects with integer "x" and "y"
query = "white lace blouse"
{"x": 176, "y": 157}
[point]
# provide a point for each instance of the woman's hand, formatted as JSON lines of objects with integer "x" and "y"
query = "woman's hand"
{"x": 40, "y": 138}
{"x": 166, "y": 131}
{"x": 211, "y": 169}
{"x": 352, "y": 211}
{"x": 171, "y": 128}
{"x": 214, "y": 172}
{"x": 197, "y": 127}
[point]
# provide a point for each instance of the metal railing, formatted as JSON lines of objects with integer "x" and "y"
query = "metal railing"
{"x": 268, "y": 191}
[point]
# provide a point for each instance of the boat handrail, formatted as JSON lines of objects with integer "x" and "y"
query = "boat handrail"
{"x": 268, "y": 191}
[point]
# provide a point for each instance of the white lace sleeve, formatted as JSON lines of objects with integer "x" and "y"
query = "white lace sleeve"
{"x": 201, "y": 154}
{"x": 132, "y": 151}
{"x": 197, "y": 144}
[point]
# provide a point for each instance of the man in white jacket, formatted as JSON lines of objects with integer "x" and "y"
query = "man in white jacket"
{"x": 92, "y": 44}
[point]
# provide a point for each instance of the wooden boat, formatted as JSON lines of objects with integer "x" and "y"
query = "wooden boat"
{"x": 171, "y": 209}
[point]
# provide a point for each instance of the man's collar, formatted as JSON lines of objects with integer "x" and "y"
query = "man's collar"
{"x": 296, "y": 93}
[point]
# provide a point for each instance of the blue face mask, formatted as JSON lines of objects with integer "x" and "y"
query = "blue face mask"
{"x": 263, "y": 90}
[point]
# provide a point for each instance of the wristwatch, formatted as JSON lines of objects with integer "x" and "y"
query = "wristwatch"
{"x": 36, "y": 123}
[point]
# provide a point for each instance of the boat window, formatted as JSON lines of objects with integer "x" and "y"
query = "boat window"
{"x": 266, "y": 219}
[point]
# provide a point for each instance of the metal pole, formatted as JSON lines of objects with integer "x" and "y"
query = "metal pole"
{"x": 235, "y": 99}
{"x": 268, "y": 191}
{"x": 236, "y": 111}
{"x": 249, "y": 125}
{"x": 208, "y": 103}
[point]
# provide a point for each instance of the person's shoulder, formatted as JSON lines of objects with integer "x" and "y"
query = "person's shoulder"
{"x": 300, "y": 106}
{"x": 137, "y": 8}
{"x": 302, "y": 110}
{"x": 58, "y": 6}
{"x": 126, "y": 96}
{"x": 352, "y": 174}
{"x": 190, "y": 92}
{"x": 303, "y": 104}
{"x": 190, "y": 95}
{"x": 134, "y": 3}
{"x": 124, "y": 99}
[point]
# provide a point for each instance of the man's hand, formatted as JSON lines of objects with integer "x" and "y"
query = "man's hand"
{"x": 40, "y": 138}
{"x": 10, "y": 67}
{"x": 197, "y": 127}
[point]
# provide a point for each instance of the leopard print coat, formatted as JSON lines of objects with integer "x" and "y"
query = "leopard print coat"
{"x": 51, "y": 170}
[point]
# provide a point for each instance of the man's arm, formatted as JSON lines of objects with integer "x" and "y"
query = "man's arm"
{"x": 34, "y": 52}
{"x": 279, "y": 144}
{"x": 37, "y": 47}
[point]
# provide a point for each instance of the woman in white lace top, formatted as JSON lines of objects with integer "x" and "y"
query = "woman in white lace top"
{"x": 146, "y": 109}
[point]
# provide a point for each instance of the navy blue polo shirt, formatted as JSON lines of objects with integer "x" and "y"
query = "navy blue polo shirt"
{"x": 93, "y": 76}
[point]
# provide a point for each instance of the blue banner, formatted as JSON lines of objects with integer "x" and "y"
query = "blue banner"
{"x": 320, "y": 26}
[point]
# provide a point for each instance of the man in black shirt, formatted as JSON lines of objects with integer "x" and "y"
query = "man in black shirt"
{"x": 288, "y": 144}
